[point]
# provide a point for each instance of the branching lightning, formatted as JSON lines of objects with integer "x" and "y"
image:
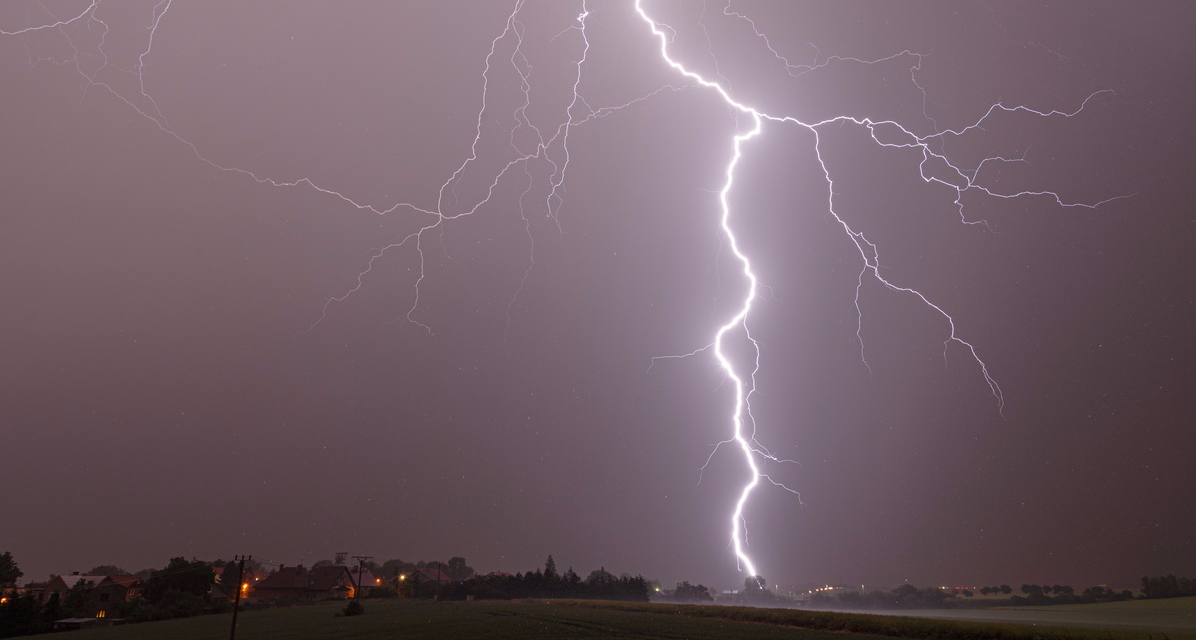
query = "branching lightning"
{"x": 534, "y": 151}
{"x": 959, "y": 180}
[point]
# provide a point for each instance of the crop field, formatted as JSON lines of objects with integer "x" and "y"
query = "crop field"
{"x": 591, "y": 619}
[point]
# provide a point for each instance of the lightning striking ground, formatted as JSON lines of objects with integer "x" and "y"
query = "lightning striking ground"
{"x": 541, "y": 154}
{"x": 959, "y": 180}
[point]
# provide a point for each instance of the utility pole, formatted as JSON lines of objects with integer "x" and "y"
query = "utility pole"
{"x": 232, "y": 634}
{"x": 360, "y": 567}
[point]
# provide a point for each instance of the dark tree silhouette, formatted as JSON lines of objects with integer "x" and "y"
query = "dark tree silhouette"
{"x": 9, "y": 571}
{"x": 686, "y": 592}
{"x": 179, "y": 577}
{"x": 458, "y": 570}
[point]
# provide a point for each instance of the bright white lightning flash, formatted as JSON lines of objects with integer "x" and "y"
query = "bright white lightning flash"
{"x": 959, "y": 180}
{"x": 740, "y": 318}
{"x": 550, "y": 150}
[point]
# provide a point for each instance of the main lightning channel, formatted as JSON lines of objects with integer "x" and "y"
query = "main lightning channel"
{"x": 742, "y": 389}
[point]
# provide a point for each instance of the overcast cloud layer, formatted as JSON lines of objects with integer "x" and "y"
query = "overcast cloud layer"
{"x": 174, "y": 380}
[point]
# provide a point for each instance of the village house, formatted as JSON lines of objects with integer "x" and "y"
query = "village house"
{"x": 426, "y": 580}
{"x": 114, "y": 590}
{"x": 305, "y": 585}
{"x": 363, "y": 579}
{"x": 431, "y": 574}
{"x": 62, "y": 585}
{"x": 104, "y": 593}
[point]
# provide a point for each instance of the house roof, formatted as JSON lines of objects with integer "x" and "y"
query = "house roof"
{"x": 227, "y": 590}
{"x": 433, "y": 574}
{"x": 325, "y": 578}
{"x": 285, "y": 578}
{"x": 126, "y": 581}
{"x": 71, "y": 580}
{"x": 300, "y": 578}
{"x": 367, "y": 578}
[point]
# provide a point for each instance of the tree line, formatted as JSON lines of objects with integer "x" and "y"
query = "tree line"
{"x": 908, "y": 596}
{"x": 1168, "y": 586}
{"x": 541, "y": 583}
{"x": 1033, "y": 594}
{"x": 456, "y": 568}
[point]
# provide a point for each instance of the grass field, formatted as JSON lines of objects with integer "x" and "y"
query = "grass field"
{"x": 577, "y": 619}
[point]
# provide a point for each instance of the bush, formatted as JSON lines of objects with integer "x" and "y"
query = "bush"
{"x": 354, "y": 608}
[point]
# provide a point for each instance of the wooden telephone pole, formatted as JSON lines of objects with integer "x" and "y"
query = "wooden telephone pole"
{"x": 360, "y": 568}
{"x": 232, "y": 634}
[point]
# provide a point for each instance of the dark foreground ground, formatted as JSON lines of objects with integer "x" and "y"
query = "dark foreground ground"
{"x": 435, "y": 620}
{"x": 1168, "y": 616}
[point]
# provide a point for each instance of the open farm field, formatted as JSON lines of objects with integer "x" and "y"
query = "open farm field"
{"x": 586, "y": 619}
{"x": 1165, "y": 615}
{"x": 424, "y": 620}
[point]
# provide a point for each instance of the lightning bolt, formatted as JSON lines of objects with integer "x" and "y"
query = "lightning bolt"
{"x": 956, "y": 179}
{"x": 545, "y": 152}
{"x": 739, "y": 320}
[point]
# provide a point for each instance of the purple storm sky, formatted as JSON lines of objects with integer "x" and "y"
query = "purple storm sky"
{"x": 161, "y": 393}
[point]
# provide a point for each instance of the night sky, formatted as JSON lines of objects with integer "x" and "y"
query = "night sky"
{"x": 182, "y": 372}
